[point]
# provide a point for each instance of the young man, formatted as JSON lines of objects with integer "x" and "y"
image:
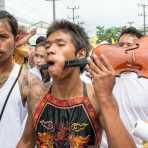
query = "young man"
{"x": 12, "y": 91}
{"x": 129, "y": 36}
{"x": 39, "y": 59}
{"x": 72, "y": 114}
{"x": 131, "y": 91}
{"x": 12, "y": 105}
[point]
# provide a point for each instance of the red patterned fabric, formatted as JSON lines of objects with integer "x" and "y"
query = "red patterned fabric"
{"x": 86, "y": 109}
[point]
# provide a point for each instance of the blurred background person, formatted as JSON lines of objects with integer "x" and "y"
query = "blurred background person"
{"x": 131, "y": 90}
{"x": 39, "y": 59}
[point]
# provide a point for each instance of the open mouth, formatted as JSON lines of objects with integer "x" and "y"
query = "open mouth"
{"x": 51, "y": 63}
{"x": 1, "y": 52}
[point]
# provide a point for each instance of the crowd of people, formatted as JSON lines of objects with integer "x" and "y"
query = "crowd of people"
{"x": 62, "y": 107}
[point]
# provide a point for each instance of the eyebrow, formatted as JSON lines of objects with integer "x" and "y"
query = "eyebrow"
{"x": 3, "y": 33}
{"x": 60, "y": 40}
{"x": 56, "y": 40}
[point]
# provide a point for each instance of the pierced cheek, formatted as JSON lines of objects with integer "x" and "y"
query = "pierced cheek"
{"x": 61, "y": 58}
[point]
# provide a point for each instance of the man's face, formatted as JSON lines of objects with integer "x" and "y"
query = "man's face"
{"x": 127, "y": 40}
{"x": 59, "y": 49}
{"x": 7, "y": 42}
{"x": 40, "y": 56}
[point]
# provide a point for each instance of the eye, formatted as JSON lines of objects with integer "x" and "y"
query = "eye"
{"x": 3, "y": 36}
{"x": 47, "y": 45}
{"x": 129, "y": 44}
{"x": 61, "y": 44}
{"x": 36, "y": 55}
{"x": 41, "y": 56}
{"x": 121, "y": 44}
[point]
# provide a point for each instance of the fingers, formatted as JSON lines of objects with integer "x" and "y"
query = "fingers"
{"x": 92, "y": 74}
{"x": 106, "y": 63}
{"x": 33, "y": 31}
{"x": 93, "y": 66}
{"x": 99, "y": 65}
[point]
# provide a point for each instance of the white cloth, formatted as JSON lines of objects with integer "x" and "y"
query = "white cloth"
{"x": 85, "y": 78}
{"x": 14, "y": 113}
{"x": 131, "y": 93}
{"x": 141, "y": 130}
{"x": 35, "y": 71}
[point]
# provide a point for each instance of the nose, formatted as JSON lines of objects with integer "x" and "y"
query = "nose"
{"x": 125, "y": 45}
{"x": 38, "y": 59}
{"x": 51, "y": 49}
{"x": 1, "y": 43}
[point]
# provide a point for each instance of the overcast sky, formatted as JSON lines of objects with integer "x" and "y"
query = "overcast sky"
{"x": 91, "y": 12}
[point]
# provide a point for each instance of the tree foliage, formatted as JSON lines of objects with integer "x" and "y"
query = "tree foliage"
{"x": 108, "y": 34}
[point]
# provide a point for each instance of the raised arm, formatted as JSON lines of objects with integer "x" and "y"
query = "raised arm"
{"x": 25, "y": 39}
{"x": 103, "y": 80}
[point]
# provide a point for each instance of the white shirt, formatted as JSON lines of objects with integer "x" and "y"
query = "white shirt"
{"x": 35, "y": 71}
{"x": 131, "y": 93}
{"x": 14, "y": 113}
{"x": 85, "y": 78}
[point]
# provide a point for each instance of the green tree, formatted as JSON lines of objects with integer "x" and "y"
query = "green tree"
{"x": 108, "y": 34}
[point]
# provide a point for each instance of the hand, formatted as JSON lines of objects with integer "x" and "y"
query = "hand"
{"x": 33, "y": 31}
{"x": 103, "y": 76}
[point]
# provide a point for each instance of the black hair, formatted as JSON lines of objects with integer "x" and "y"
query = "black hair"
{"x": 40, "y": 39}
{"x": 11, "y": 21}
{"x": 132, "y": 31}
{"x": 40, "y": 44}
{"x": 78, "y": 34}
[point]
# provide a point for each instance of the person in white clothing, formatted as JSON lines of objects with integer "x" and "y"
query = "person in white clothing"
{"x": 13, "y": 110}
{"x": 131, "y": 91}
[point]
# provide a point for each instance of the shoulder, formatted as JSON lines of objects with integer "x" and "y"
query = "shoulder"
{"x": 35, "y": 71}
{"x": 30, "y": 85}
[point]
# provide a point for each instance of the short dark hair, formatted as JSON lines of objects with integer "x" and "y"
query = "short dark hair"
{"x": 40, "y": 44}
{"x": 11, "y": 20}
{"x": 78, "y": 34}
{"x": 40, "y": 39}
{"x": 131, "y": 31}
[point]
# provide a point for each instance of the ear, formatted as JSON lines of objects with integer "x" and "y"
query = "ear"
{"x": 16, "y": 40}
{"x": 81, "y": 53}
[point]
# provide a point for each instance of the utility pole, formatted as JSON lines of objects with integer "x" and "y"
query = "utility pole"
{"x": 73, "y": 12}
{"x": 144, "y": 16}
{"x": 53, "y": 8}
